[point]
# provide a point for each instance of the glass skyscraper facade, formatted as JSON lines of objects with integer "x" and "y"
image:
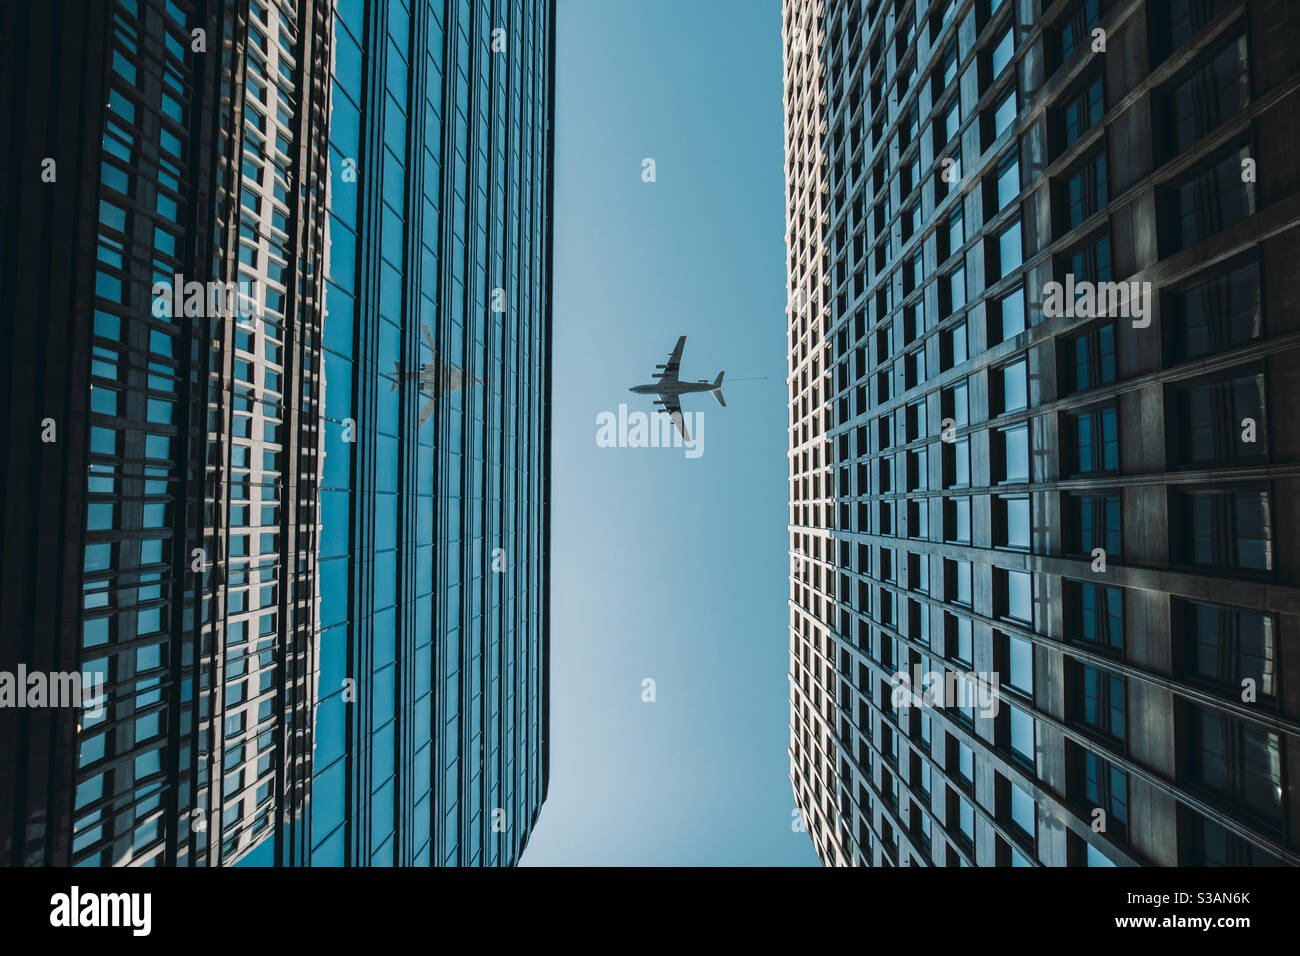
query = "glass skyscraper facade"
{"x": 1041, "y": 333}
{"x": 434, "y": 486}
{"x": 287, "y": 382}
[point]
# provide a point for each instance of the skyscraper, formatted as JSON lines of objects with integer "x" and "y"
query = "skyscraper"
{"x": 434, "y": 501}
{"x": 1043, "y": 534}
{"x": 278, "y": 430}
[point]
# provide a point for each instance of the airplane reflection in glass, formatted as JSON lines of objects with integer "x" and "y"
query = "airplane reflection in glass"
{"x": 431, "y": 374}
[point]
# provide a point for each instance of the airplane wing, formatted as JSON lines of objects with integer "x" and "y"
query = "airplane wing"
{"x": 669, "y": 370}
{"x": 672, "y": 406}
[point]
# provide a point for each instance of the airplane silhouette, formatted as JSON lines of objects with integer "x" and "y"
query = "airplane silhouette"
{"x": 669, "y": 388}
{"x": 430, "y": 373}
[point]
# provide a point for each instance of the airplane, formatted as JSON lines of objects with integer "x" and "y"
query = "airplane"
{"x": 668, "y": 388}
{"x": 429, "y": 374}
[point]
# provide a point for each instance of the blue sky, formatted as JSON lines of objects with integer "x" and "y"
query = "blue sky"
{"x": 665, "y": 567}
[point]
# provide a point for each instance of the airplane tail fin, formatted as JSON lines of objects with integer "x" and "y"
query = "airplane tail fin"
{"x": 397, "y": 376}
{"x": 717, "y": 389}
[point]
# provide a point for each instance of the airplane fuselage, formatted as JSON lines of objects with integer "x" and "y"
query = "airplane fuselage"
{"x": 426, "y": 379}
{"x": 671, "y": 388}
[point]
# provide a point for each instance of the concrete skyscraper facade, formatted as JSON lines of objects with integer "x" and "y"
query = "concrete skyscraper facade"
{"x": 164, "y": 237}
{"x": 1042, "y": 322}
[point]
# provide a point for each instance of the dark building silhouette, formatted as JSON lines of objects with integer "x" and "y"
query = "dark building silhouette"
{"x": 1042, "y": 335}
{"x": 247, "y": 260}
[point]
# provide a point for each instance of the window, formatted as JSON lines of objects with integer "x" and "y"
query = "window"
{"x": 1085, "y": 191}
{"x": 1097, "y": 784}
{"x": 914, "y": 421}
{"x": 952, "y": 346}
{"x": 957, "y": 582}
{"x": 1227, "y": 646}
{"x": 964, "y": 813}
{"x": 1217, "y": 315}
{"x": 942, "y": 14}
{"x": 955, "y": 288}
{"x": 1003, "y": 51}
{"x": 1016, "y": 662}
{"x": 961, "y": 763}
{"x": 956, "y": 520}
{"x": 886, "y": 524}
{"x": 1209, "y": 199}
{"x": 1020, "y": 733}
{"x": 1013, "y": 595}
{"x": 954, "y": 405}
{"x": 913, "y": 321}
{"x": 1097, "y": 699}
{"x": 1004, "y": 187}
{"x": 1010, "y": 387}
{"x": 911, "y": 177}
{"x": 951, "y": 241}
{"x": 1090, "y": 261}
{"x": 1221, "y": 419}
{"x": 1225, "y": 529}
{"x": 1007, "y": 253}
{"x": 947, "y": 132}
{"x": 913, "y": 272}
{"x": 1011, "y": 453}
{"x": 884, "y": 342}
{"x": 914, "y": 368}
{"x": 1002, "y": 118}
{"x": 921, "y": 774}
{"x": 1076, "y": 28}
{"x": 946, "y": 74}
{"x": 910, "y": 127}
{"x": 1209, "y": 844}
{"x": 1081, "y": 112}
{"x": 1092, "y": 521}
{"x": 1011, "y": 521}
{"x": 1089, "y": 358}
{"x": 1214, "y": 93}
{"x": 1092, "y": 441}
{"x": 1007, "y": 319}
{"x": 956, "y": 463}
{"x": 918, "y": 573}
{"x": 958, "y": 637}
{"x": 1097, "y": 858}
{"x": 1177, "y": 21}
{"x": 917, "y": 465}
{"x": 1240, "y": 763}
{"x": 1016, "y": 806}
{"x": 1095, "y": 614}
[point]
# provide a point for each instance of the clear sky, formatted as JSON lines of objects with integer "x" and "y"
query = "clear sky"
{"x": 665, "y": 567}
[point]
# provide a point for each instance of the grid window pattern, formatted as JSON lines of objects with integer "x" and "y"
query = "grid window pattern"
{"x": 1026, "y": 504}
